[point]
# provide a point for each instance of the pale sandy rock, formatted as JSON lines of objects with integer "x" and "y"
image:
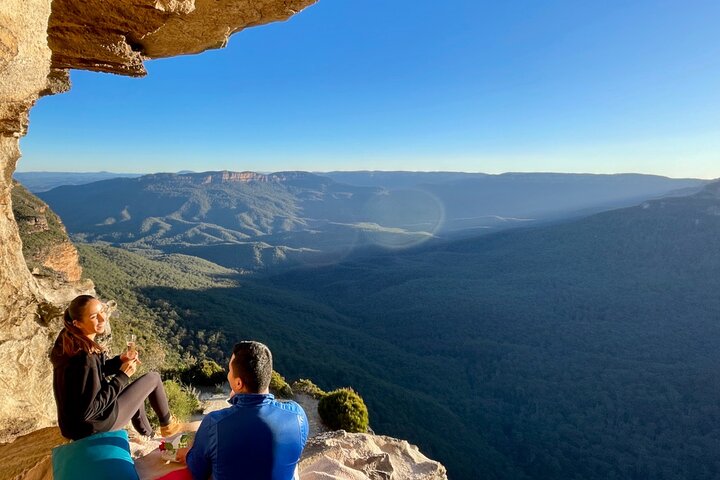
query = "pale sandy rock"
{"x": 361, "y": 456}
{"x": 117, "y": 36}
{"x": 310, "y": 405}
{"x": 29, "y": 457}
{"x": 212, "y": 22}
{"x": 24, "y": 68}
{"x": 24, "y": 63}
{"x": 26, "y": 399}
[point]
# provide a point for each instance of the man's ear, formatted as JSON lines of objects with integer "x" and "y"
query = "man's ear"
{"x": 237, "y": 384}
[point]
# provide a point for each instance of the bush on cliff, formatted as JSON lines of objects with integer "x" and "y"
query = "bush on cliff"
{"x": 344, "y": 409}
{"x": 279, "y": 387}
{"x": 205, "y": 373}
{"x": 309, "y": 388}
{"x": 183, "y": 400}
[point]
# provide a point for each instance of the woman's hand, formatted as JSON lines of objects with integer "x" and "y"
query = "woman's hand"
{"x": 129, "y": 367}
{"x": 181, "y": 455}
{"x": 128, "y": 355}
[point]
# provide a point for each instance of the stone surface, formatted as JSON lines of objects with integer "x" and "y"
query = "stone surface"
{"x": 26, "y": 400}
{"x": 24, "y": 65}
{"x": 29, "y": 457}
{"x": 310, "y": 405}
{"x": 361, "y": 456}
{"x": 117, "y": 36}
{"x": 24, "y": 69}
{"x": 64, "y": 258}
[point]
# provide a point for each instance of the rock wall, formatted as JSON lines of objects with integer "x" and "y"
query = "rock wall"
{"x": 25, "y": 66}
{"x": 39, "y": 41}
{"x": 117, "y": 36}
{"x": 26, "y": 400}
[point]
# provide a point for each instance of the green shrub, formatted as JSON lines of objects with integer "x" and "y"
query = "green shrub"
{"x": 183, "y": 400}
{"x": 344, "y": 409}
{"x": 279, "y": 387}
{"x": 309, "y": 388}
{"x": 205, "y": 373}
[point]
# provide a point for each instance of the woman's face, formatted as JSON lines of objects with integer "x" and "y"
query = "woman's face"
{"x": 92, "y": 319}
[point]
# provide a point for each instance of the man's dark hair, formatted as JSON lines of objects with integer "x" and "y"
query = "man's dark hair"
{"x": 253, "y": 364}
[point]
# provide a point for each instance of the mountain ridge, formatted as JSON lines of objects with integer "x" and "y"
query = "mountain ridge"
{"x": 284, "y": 219}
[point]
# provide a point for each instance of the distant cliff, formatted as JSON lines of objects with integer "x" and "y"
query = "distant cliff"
{"x": 46, "y": 247}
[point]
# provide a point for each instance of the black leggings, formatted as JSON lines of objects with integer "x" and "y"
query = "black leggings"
{"x": 131, "y": 404}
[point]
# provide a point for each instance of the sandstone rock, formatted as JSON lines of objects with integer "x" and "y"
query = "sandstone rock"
{"x": 117, "y": 36}
{"x": 214, "y": 21}
{"x": 26, "y": 400}
{"x": 8, "y": 47}
{"x": 24, "y": 69}
{"x": 29, "y": 457}
{"x": 24, "y": 66}
{"x": 360, "y": 456}
{"x": 64, "y": 258}
{"x": 310, "y": 405}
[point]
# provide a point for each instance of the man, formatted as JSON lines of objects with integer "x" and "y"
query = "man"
{"x": 257, "y": 437}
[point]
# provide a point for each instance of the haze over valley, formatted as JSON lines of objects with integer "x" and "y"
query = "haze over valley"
{"x": 255, "y": 221}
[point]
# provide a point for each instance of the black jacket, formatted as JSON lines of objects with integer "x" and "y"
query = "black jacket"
{"x": 84, "y": 395}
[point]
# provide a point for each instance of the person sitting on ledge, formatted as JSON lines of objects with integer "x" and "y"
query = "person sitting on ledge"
{"x": 257, "y": 437}
{"x": 93, "y": 393}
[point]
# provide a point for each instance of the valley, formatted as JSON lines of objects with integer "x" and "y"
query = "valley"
{"x": 575, "y": 349}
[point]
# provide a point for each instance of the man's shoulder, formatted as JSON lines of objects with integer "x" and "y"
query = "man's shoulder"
{"x": 218, "y": 415}
{"x": 284, "y": 408}
{"x": 288, "y": 406}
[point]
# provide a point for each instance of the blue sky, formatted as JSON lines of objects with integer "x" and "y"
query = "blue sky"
{"x": 471, "y": 85}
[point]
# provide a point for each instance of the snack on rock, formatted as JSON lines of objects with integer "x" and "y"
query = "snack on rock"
{"x": 169, "y": 448}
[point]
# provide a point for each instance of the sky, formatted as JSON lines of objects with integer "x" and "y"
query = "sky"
{"x": 457, "y": 85}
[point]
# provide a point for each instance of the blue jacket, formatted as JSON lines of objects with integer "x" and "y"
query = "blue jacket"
{"x": 256, "y": 438}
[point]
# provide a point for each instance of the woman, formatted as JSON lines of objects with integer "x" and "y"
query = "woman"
{"x": 94, "y": 394}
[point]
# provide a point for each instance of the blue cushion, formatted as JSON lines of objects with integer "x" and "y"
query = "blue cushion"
{"x": 103, "y": 455}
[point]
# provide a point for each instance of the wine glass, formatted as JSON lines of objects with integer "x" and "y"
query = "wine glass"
{"x": 130, "y": 340}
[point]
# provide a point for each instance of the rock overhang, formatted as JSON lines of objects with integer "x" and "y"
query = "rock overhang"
{"x": 116, "y": 37}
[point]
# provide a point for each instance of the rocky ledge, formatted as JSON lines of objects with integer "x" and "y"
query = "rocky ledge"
{"x": 328, "y": 456}
{"x": 360, "y": 456}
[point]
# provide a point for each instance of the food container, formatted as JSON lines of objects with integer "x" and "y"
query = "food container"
{"x": 170, "y": 446}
